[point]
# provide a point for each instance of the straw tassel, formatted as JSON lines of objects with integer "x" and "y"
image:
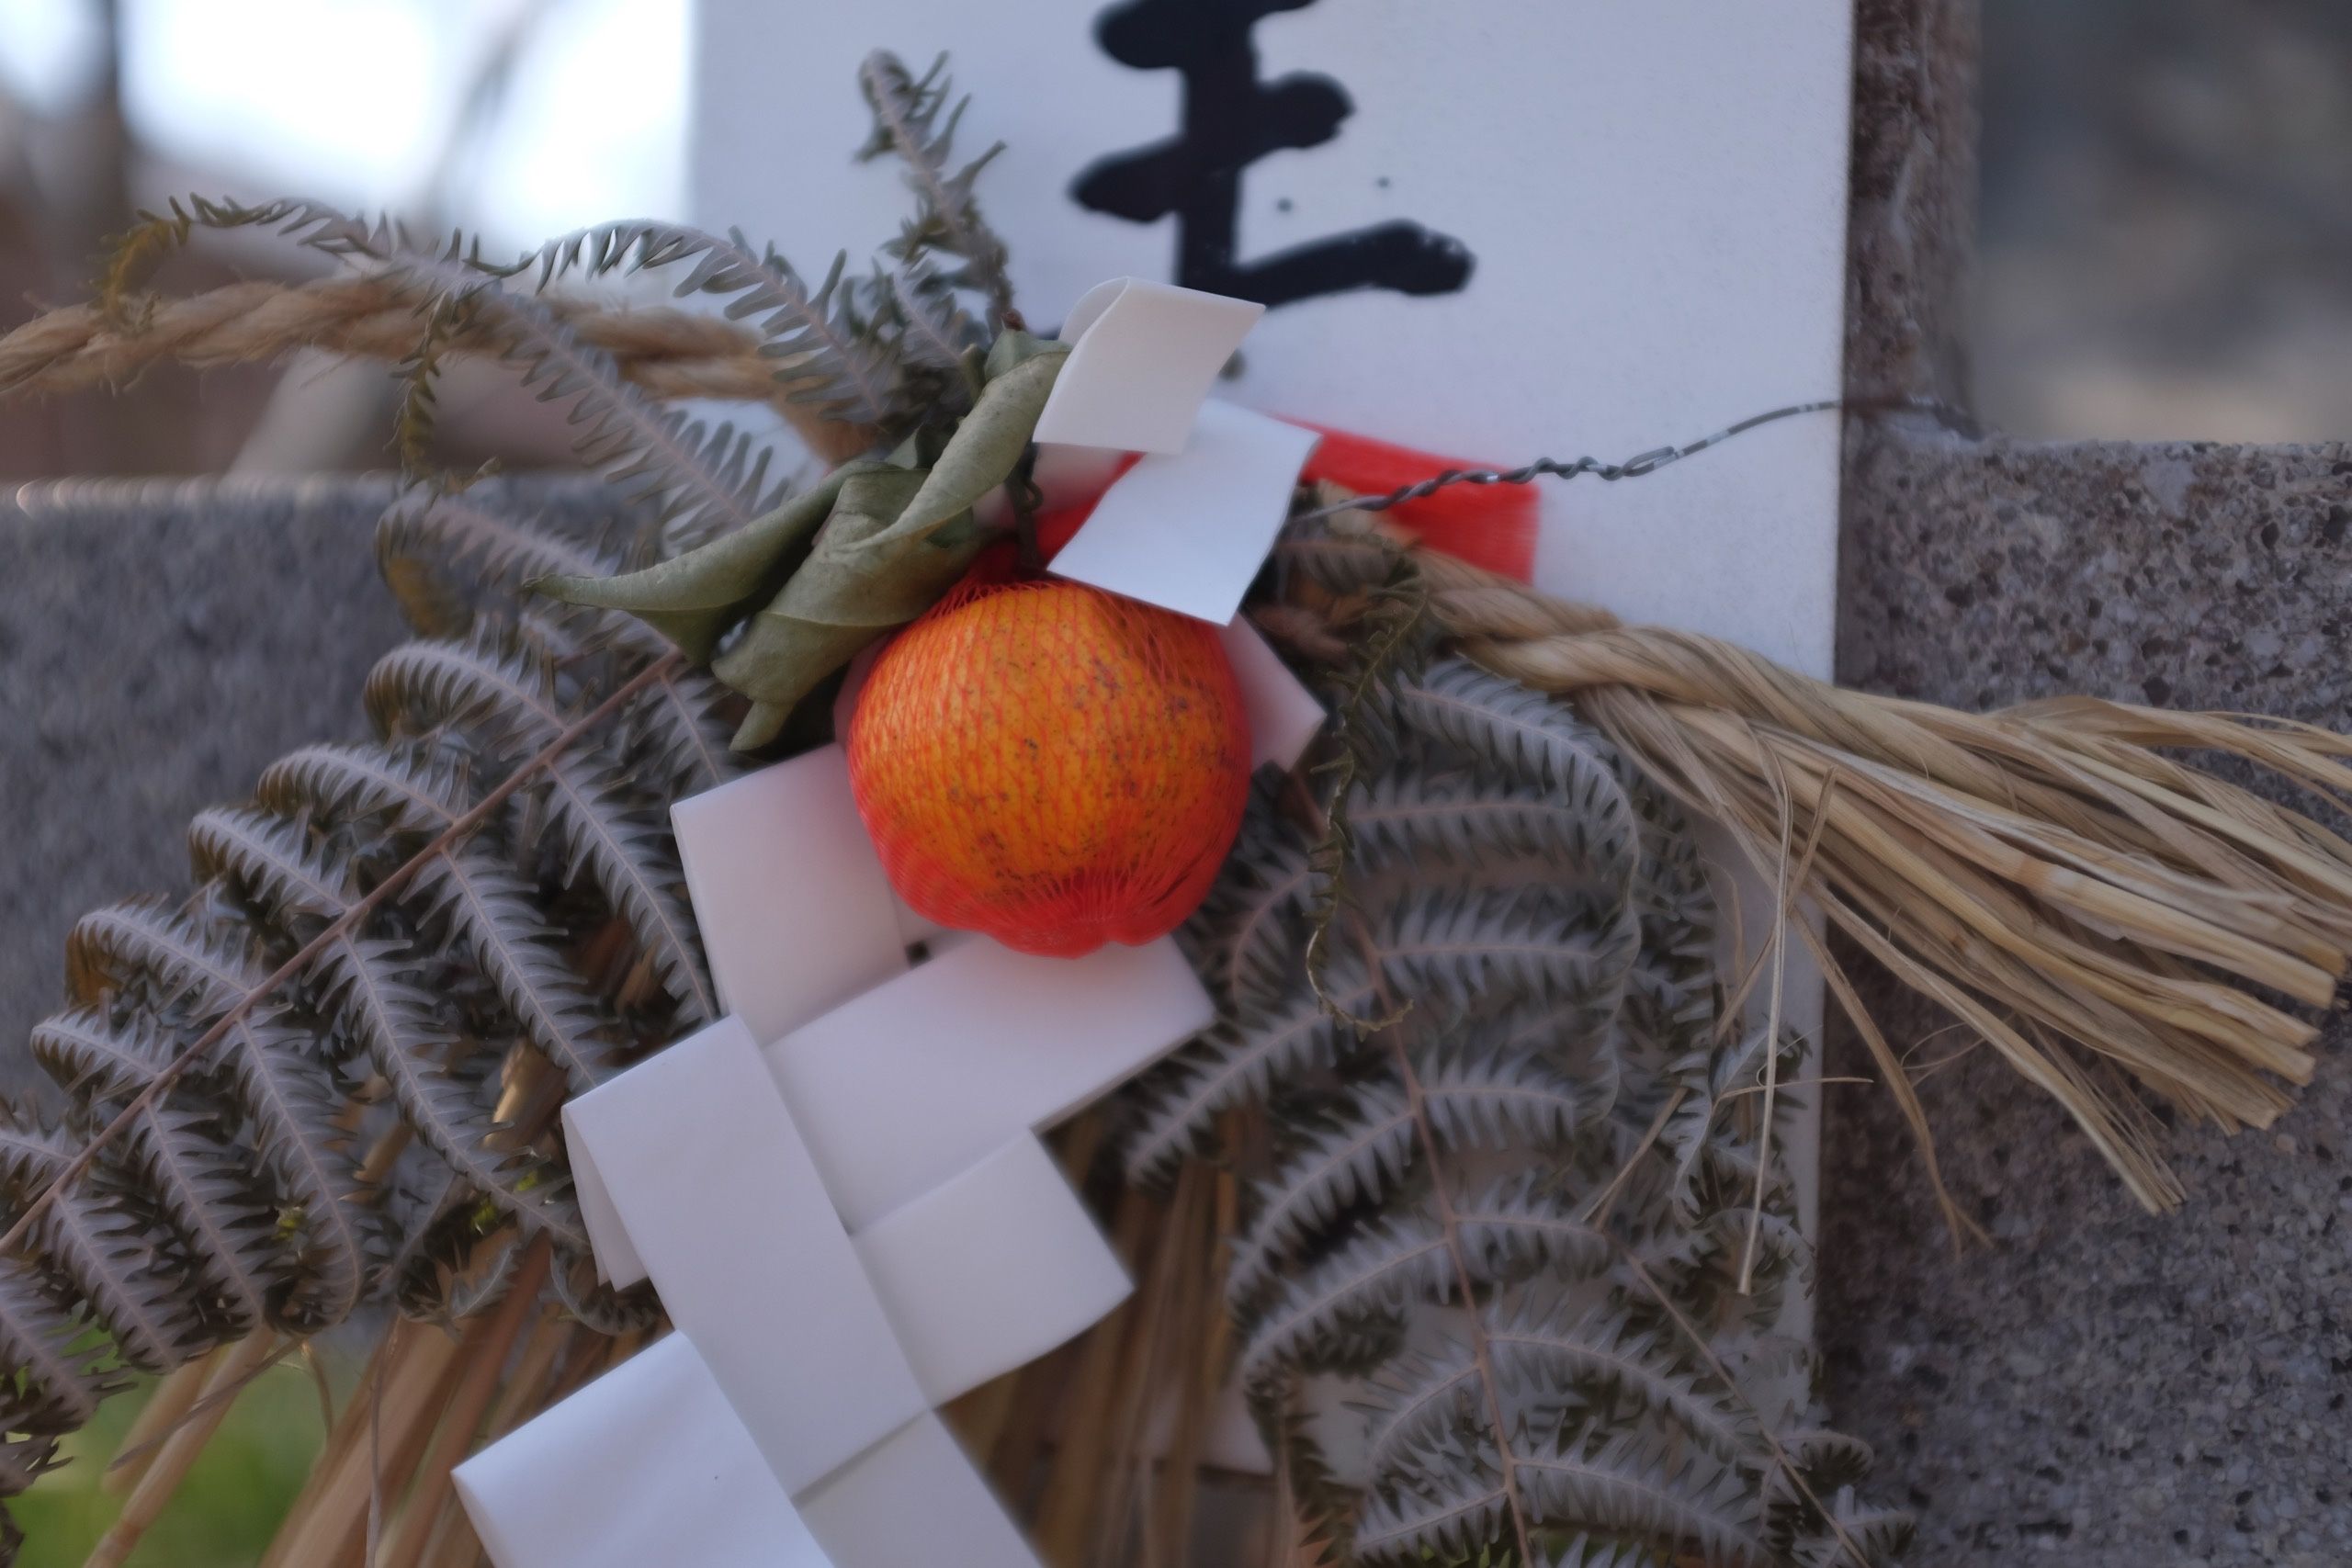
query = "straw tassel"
{"x": 2040, "y": 872}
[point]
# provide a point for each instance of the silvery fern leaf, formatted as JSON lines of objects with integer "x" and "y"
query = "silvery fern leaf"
{"x": 1471, "y": 1102}
{"x": 1237, "y": 1062}
{"x": 522, "y": 934}
{"x": 1498, "y": 1201}
{"x": 104, "y": 1255}
{"x": 915, "y": 119}
{"x": 829, "y": 354}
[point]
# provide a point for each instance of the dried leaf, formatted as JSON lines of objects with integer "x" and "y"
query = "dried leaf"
{"x": 897, "y": 539}
{"x": 692, "y": 599}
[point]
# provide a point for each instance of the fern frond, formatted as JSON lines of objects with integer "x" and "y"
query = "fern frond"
{"x": 466, "y": 893}
{"x": 149, "y": 940}
{"x": 933, "y": 328}
{"x": 678, "y": 732}
{"x": 443, "y": 553}
{"x": 310, "y": 224}
{"x": 1462, "y": 950}
{"x": 1472, "y": 1101}
{"x": 1520, "y": 1226}
{"x": 1350, "y": 1307}
{"x": 633, "y": 862}
{"x": 1677, "y": 1497}
{"x": 1361, "y": 1158}
{"x": 1250, "y": 932}
{"x": 826, "y": 351}
{"x": 1529, "y": 738}
{"x": 205, "y": 1190}
{"x": 110, "y": 1263}
{"x": 421, "y": 790}
{"x": 493, "y": 915}
{"x": 912, "y": 118}
{"x": 291, "y": 1102}
{"x": 58, "y": 1374}
{"x": 1237, "y": 1061}
{"x": 1455, "y": 822}
{"x": 1444, "y": 1498}
{"x": 1616, "y": 1362}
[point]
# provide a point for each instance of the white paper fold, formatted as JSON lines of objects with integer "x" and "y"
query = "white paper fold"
{"x": 795, "y": 913}
{"x": 991, "y": 1270}
{"x": 719, "y": 1196}
{"x": 1144, "y": 355}
{"x": 1189, "y": 531}
{"x": 1284, "y": 716}
{"x": 920, "y": 1080}
{"x": 648, "y": 1464}
{"x": 914, "y": 1502}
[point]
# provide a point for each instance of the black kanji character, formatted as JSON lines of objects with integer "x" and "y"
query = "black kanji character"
{"x": 1230, "y": 120}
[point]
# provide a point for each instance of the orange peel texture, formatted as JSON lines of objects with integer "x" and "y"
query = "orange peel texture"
{"x": 1054, "y": 766}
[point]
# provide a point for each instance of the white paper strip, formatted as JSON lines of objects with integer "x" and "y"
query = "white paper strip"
{"x": 920, "y": 1080}
{"x": 794, "y": 911}
{"x": 1284, "y": 717}
{"x": 648, "y": 1464}
{"x": 1144, "y": 357}
{"x": 916, "y": 1500}
{"x": 1188, "y": 532}
{"x": 617, "y": 1263}
{"x": 991, "y": 1270}
{"x": 708, "y": 1174}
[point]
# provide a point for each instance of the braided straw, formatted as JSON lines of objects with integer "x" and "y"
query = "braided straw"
{"x": 671, "y": 354}
{"x": 2041, "y": 871}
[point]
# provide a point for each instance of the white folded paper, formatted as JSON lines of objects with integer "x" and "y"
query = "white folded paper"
{"x": 1189, "y": 530}
{"x": 989, "y": 1270}
{"x": 709, "y": 1179}
{"x": 921, "y": 1078}
{"x": 913, "y": 1502}
{"x": 648, "y": 1464}
{"x": 1143, "y": 356}
{"x": 795, "y": 913}
{"x": 1284, "y": 716}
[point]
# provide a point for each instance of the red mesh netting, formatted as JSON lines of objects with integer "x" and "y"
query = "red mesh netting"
{"x": 1050, "y": 764}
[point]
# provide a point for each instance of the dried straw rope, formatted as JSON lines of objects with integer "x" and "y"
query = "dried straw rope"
{"x": 671, "y": 354}
{"x": 2040, "y": 872}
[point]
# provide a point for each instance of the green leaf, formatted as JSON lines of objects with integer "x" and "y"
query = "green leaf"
{"x": 897, "y": 539}
{"x": 692, "y": 599}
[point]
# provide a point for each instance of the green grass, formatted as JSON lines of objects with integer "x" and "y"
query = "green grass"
{"x": 226, "y": 1509}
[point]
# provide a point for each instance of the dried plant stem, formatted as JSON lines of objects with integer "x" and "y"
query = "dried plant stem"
{"x": 169, "y": 1464}
{"x": 2041, "y": 871}
{"x": 412, "y": 1375}
{"x": 1076, "y": 1477}
{"x": 175, "y": 1393}
{"x": 331, "y": 932}
{"x": 1170, "y": 1535}
{"x": 460, "y": 1421}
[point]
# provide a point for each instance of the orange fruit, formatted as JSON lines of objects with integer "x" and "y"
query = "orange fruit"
{"x": 1050, "y": 764}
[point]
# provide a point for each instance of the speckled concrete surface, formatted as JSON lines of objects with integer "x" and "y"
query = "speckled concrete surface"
{"x": 2108, "y": 1388}
{"x": 160, "y": 643}
{"x": 155, "y": 651}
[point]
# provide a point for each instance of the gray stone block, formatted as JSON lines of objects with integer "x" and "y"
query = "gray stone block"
{"x": 2120, "y": 1389}
{"x": 162, "y": 642}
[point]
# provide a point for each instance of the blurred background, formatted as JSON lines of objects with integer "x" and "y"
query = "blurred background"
{"x": 2166, "y": 253}
{"x": 2167, "y": 219}
{"x": 513, "y": 119}
{"x": 2167, "y": 197}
